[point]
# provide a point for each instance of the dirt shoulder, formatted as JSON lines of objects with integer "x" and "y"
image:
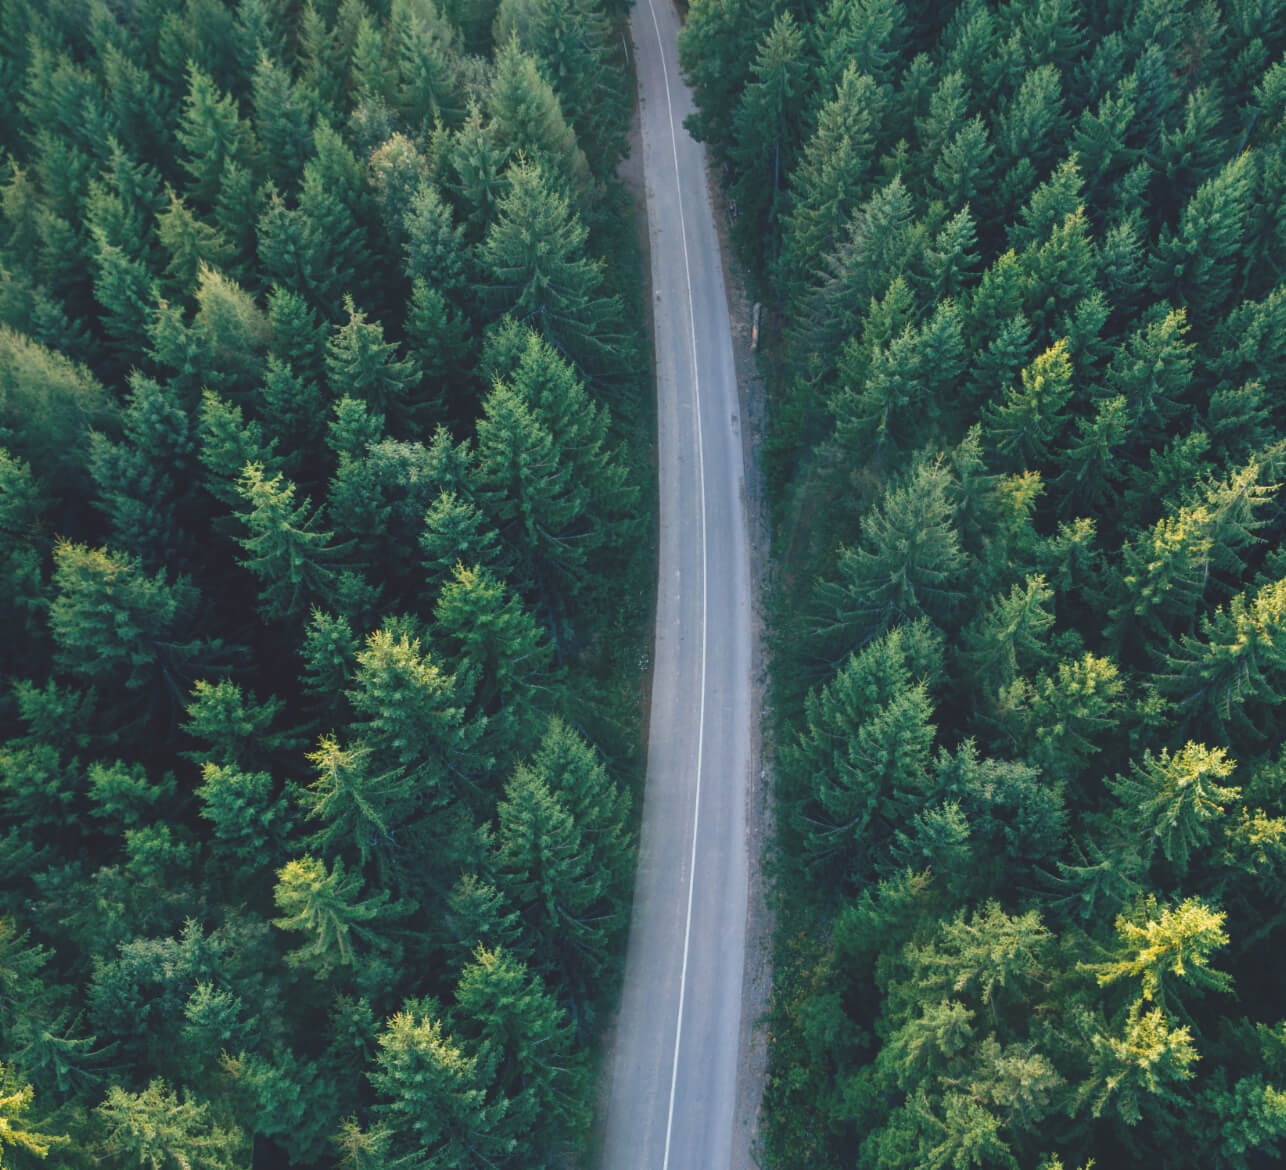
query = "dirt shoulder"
{"x": 760, "y": 827}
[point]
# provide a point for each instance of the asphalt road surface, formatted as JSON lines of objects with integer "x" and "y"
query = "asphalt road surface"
{"x": 676, "y": 1054}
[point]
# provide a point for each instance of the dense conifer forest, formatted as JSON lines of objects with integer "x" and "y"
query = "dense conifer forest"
{"x": 324, "y": 564}
{"x": 1028, "y": 446}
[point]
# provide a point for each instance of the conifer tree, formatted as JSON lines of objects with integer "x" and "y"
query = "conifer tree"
{"x": 572, "y": 42}
{"x": 435, "y": 1098}
{"x": 361, "y": 365}
{"x": 158, "y": 1127}
{"x": 212, "y": 134}
{"x": 766, "y": 132}
{"x": 283, "y": 114}
{"x": 326, "y": 907}
{"x": 114, "y": 626}
{"x": 285, "y": 549}
{"x": 534, "y": 267}
{"x": 831, "y": 176}
{"x": 526, "y": 119}
{"x": 494, "y": 639}
{"x": 547, "y": 874}
{"x": 908, "y": 562}
{"x": 523, "y": 1035}
{"x": 1173, "y": 798}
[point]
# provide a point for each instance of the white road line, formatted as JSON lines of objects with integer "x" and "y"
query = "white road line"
{"x": 701, "y": 477}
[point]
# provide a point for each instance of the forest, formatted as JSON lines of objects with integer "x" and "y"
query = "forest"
{"x": 1023, "y": 264}
{"x": 325, "y": 563}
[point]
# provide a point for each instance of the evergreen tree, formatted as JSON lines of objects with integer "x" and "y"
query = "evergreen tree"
{"x": 526, "y": 119}
{"x": 286, "y": 550}
{"x": 1196, "y": 266}
{"x": 283, "y": 114}
{"x": 212, "y": 134}
{"x": 494, "y": 640}
{"x": 325, "y": 906}
{"x": 1173, "y": 797}
{"x": 524, "y": 1037}
{"x": 360, "y": 364}
{"x": 158, "y": 1127}
{"x": 114, "y": 626}
{"x": 144, "y": 482}
{"x": 907, "y": 563}
{"x": 534, "y": 266}
{"x": 831, "y": 176}
{"x": 547, "y": 874}
{"x": 573, "y": 44}
{"x": 766, "y": 132}
{"x": 435, "y": 1097}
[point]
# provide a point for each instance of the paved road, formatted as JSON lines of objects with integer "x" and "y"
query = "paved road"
{"x": 676, "y": 1055}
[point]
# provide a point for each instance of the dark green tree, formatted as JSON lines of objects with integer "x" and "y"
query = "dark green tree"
{"x": 535, "y": 267}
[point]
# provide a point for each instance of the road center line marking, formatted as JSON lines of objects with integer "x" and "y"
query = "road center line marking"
{"x": 701, "y": 478}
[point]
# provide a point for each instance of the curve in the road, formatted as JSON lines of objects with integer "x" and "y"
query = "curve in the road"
{"x": 675, "y": 1063}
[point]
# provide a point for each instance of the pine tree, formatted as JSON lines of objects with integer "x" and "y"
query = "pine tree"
{"x": 1026, "y": 424}
{"x": 538, "y": 508}
{"x": 766, "y": 129}
{"x": 895, "y": 397}
{"x": 1196, "y": 267}
{"x": 360, "y": 364}
{"x": 534, "y": 267}
{"x": 22, "y": 508}
{"x": 425, "y": 47}
{"x": 492, "y": 637}
{"x": 907, "y": 562}
{"x": 286, "y": 550}
{"x": 716, "y": 50}
{"x": 157, "y": 1127}
{"x": 455, "y": 532}
{"x": 293, "y": 413}
{"x": 1172, "y": 798}
{"x": 116, "y": 627}
{"x": 235, "y": 728}
{"x": 1227, "y": 678}
{"x": 1071, "y": 714}
{"x": 435, "y": 1098}
{"x": 868, "y": 725}
{"x": 435, "y": 250}
{"x": 438, "y": 340}
{"x": 25, "y": 1133}
{"x": 250, "y": 820}
{"x": 191, "y": 245}
{"x": 283, "y": 115}
{"x": 574, "y": 772}
{"x": 413, "y": 716}
{"x": 1151, "y": 370}
{"x": 873, "y": 245}
{"x": 523, "y": 1035}
{"x": 1168, "y": 951}
{"x": 1008, "y": 636}
{"x": 325, "y": 905}
{"x": 547, "y": 874}
{"x": 212, "y": 134}
{"x": 144, "y": 481}
{"x": 526, "y": 119}
{"x": 228, "y": 444}
{"x": 831, "y": 176}
{"x": 572, "y": 42}
{"x": 359, "y": 808}
{"x": 1138, "y": 1065}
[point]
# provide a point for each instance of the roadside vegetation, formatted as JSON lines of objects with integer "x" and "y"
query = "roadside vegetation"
{"x": 1027, "y": 445}
{"x": 324, "y": 563}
